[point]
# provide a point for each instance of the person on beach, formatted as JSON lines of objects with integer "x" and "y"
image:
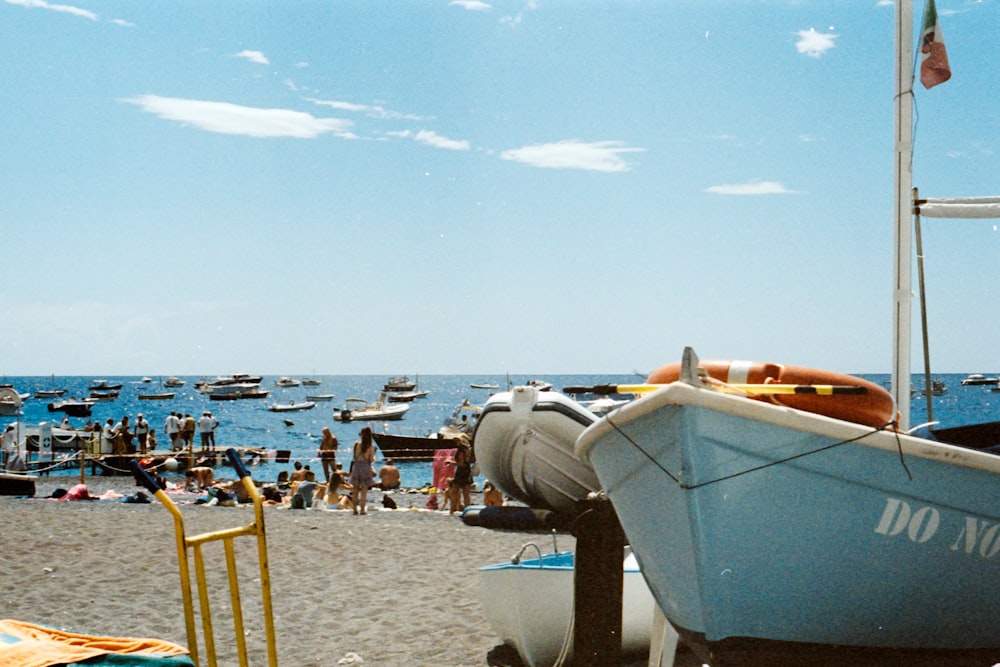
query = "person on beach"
{"x": 123, "y": 437}
{"x": 151, "y": 440}
{"x": 302, "y": 493}
{"x": 388, "y": 476}
{"x": 491, "y": 495}
{"x": 172, "y": 427}
{"x": 141, "y": 431}
{"x": 201, "y": 478}
{"x": 362, "y": 477}
{"x": 334, "y": 498}
{"x": 328, "y": 453}
{"x": 108, "y": 435}
{"x": 299, "y": 473}
{"x": 461, "y": 483}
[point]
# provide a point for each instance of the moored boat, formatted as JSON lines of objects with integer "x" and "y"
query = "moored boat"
{"x": 978, "y": 379}
{"x": 174, "y": 381}
{"x": 456, "y": 429}
{"x": 158, "y": 396}
{"x": 400, "y": 383}
{"x": 524, "y": 444}
{"x": 529, "y": 605}
{"x": 291, "y": 406}
{"x": 358, "y": 409}
{"x": 407, "y": 396}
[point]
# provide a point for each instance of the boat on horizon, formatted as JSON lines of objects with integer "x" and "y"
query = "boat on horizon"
{"x": 291, "y": 406}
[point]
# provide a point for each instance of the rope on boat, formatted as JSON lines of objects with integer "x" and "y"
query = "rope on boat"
{"x": 763, "y": 466}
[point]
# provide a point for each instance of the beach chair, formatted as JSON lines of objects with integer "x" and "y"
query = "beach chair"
{"x": 227, "y": 537}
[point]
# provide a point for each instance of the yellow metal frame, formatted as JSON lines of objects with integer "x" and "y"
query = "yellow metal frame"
{"x": 227, "y": 537}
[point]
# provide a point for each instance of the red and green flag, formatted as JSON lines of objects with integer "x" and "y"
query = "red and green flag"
{"x": 934, "y": 68}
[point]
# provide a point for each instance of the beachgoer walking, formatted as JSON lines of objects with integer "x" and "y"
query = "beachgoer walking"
{"x": 206, "y": 426}
{"x": 461, "y": 483}
{"x": 388, "y": 476}
{"x": 141, "y": 431}
{"x": 172, "y": 427}
{"x": 362, "y": 477}
{"x": 328, "y": 453}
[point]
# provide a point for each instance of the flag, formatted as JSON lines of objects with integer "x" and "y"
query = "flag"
{"x": 934, "y": 67}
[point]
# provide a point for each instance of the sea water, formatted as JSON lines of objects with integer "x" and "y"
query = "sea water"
{"x": 248, "y": 422}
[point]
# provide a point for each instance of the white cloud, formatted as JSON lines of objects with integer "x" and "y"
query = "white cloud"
{"x": 123, "y": 23}
{"x": 814, "y": 44}
{"x": 254, "y": 57}
{"x": 436, "y": 140}
{"x": 472, "y": 5}
{"x": 372, "y": 111}
{"x": 595, "y": 156}
{"x": 752, "y": 188}
{"x": 65, "y": 9}
{"x": 226, "y": 118}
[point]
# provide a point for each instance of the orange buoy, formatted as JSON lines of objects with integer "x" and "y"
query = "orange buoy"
{"x": 873, "y": 407}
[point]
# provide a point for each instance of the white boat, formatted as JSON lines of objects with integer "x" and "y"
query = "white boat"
{"x": 400, "y": 383}
{"x": 157, "y": 396}
{"x": 291, "y": 406}
{"x": 484, "y": 385}
{"x": 407, "y": 396}
{"x": 287, "y": 382}
{"x": 173, "y": 381}
{"x": 529, "y": 605}
{"x": 524, "y": 444}
{"x": 311, "y": 382}
{"x": 783, "y": 535}
{"x": 10, "y": 402}
{"x": 321, "y": 397}
{"x": 978, "y": 379}
{"x": 358, "y": 409}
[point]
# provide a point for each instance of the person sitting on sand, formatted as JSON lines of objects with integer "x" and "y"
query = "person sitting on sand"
{"x": 388, "y": 476}
{"x": 302, "y": 496}
{"x": 200, "y": 477}
{"x": 299, "y": 473}
{"x": 333, "y": 498}
{"x": 491, "y": 495}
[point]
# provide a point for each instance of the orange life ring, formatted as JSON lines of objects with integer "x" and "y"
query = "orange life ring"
{"x": 874, "y": 408}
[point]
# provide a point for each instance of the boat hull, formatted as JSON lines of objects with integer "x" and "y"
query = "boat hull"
{"x": 524, "y": 444}
{"x": 411, "y": 447}
{"x": 529, "y": 606}
{"x": 778, "y": 528}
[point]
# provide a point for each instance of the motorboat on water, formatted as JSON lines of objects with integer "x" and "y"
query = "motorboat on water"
{"x": 529, "y": 605}
{"x": 10, "y": 402}
{"x": 157, "y": 396}
{"x": 321, "y": 397}
{"x": 287, "y": 382}
{"x": 49, "y": 393}
{"x": 457, "y": 428}
{"x": 234, "y": 391}
{"x": 311, "y": 382}
{"x": 73, "y": 407}
{"x": 358, "y": 409}
{"x": 524, "y": 444}
{"x": 291, "y": 406}
{"x": 400, "y": 383}
{"x": 407, "y": 396}
{"x": 979, "y": 379}
{"x": 104, "y": 385}
{"x": 174, "y": 381}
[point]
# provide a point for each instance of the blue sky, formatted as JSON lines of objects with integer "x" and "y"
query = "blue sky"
{"x": 479, "y": 187}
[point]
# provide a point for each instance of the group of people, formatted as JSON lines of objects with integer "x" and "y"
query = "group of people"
{"x": 125, "y": 437}
{"x": 180, "y": 428}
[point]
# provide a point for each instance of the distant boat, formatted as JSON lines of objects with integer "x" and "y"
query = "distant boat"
{"x": 380, "y": 410}
{"x": 103, "y": 385}
{"x": 311, "y": 382}
{"x": 49, "y": 393}
{"x": 72, "y": 408}
{"x": 407, "y": 396}
{"x": 162, "y": 396}
{"x": 147, "y": 379}
{"x": 401, "y": 383}
{"x": 321, "y": 397}
{"x": 287, "y": 382}
{"x": 458, "y": 427}
{"x": 173, "y": 381}
{"x": 978, "y": 379}
{"x": 291, "y": 406}
{"x": 484, "y": 385}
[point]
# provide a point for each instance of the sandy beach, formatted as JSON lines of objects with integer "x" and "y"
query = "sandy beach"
{"x": 395, "y": 587}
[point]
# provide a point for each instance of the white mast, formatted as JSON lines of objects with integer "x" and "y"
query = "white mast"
{"x": 902, "y": 288}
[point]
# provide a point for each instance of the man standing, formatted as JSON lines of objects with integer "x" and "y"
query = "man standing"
{"x": 141, "y": 431}
{"x": 172, "y": 428}
{"x": 206, "y": 425}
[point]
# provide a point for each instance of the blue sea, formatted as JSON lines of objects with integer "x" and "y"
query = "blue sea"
{"x": 248, "y": 423}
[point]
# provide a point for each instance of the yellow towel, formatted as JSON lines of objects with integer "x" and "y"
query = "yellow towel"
{"x": 28, "y": 645}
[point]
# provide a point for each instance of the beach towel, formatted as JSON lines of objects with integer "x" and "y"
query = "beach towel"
{"x": 442, "y": 470}
{"x": 28, "y": 645}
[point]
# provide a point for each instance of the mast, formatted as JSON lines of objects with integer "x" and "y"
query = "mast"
{"x": 902, "y": 255}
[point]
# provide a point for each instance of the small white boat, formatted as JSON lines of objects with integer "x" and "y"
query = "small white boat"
{"x": 401, "y": 383}
{"x": 160, "y": 396}
{"x": 287, "y": 382}
{"x": 407, "y": 396}
{"x": 291, "y": 406}
{"x": 321, "y": 397}
{"x": 10, "y": 402}
{"x": 173, "y": 381}
{"x": 484, "y": 385}
{"x": 529, "y": 605}
{"x": 524, "y": 444}
{"x": 311, "y": 382}
{"x": 380, "y": 410}
{"x": 49, "y": 393}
